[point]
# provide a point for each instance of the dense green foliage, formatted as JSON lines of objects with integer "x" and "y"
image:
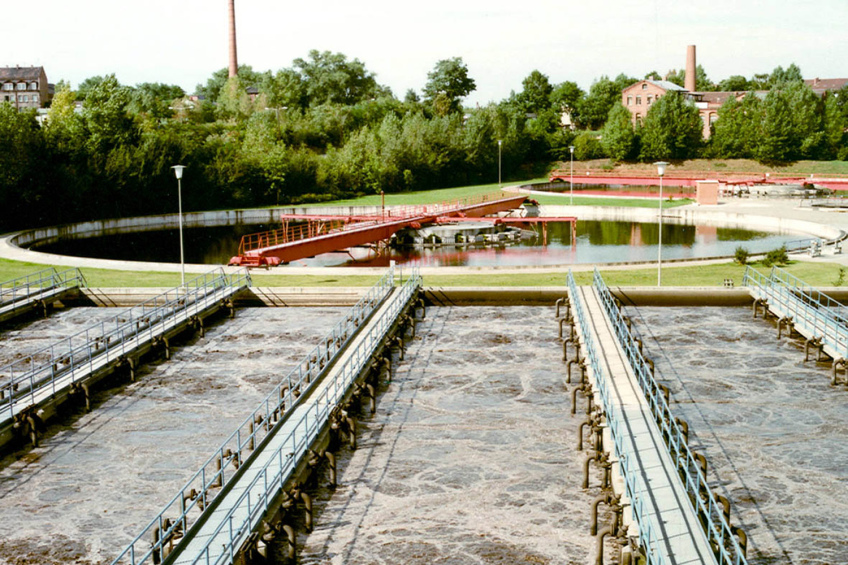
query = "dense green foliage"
{"x": 325, "y": 129}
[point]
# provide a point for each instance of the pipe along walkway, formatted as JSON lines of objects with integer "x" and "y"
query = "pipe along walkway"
{"x": 37, "y": 291}
{"x": 32, "y": 388}
{"x": 663, "y": 509}
{"x": 799, "y": 307}
{"x": 243, "y": 497}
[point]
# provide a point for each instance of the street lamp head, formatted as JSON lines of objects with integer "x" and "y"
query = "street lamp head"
{"x": 571, "y": 148}
{"x": 500, "y": 142}
{"x": 661, "y": 165}
{"x": 178, "y": 170}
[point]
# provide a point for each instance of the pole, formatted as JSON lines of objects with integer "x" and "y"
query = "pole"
{"x": 571, "y": 181}
{"x": 659, "y": 252}
{"x": 180, "y": 204}
{"x": 500, "y": 143}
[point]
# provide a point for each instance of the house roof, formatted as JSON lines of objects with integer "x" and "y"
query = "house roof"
{"x": 666, "y": 84}
{"x": 826, "y": 83}
{"x": 20, "y": 73}
{"x": 663, "y": 84}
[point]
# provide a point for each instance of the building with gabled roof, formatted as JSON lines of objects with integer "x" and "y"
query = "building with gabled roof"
{"x": 25, "y": 87}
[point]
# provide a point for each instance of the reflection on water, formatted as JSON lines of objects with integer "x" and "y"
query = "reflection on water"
{"x": 597, "y": 242}
{"x": 770, "y": 425}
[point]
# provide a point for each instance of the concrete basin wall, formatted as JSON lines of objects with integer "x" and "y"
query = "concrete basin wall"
{"x": 99, "y": 228}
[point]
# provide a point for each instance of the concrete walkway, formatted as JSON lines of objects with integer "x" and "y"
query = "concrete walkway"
{"x": 755, "y": 213}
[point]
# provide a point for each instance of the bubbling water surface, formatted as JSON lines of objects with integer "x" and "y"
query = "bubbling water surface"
{"x": 771, "y": 426}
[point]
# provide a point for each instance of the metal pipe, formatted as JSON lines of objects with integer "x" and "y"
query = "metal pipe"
{"x": 580, "y": 435}
{"x": 590, "y": 457}
{"x": 599, "y": 558}
{"x": 743, "y": 539}
{"x": 604, "y": 498}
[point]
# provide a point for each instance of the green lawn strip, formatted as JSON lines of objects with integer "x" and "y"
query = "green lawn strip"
{"x": 424, "y": 197}
{"x": 816, "y": 274}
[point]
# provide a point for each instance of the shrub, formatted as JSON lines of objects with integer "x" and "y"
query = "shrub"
{"x": 741, "y": 255}
{"x": 777, "y": 257}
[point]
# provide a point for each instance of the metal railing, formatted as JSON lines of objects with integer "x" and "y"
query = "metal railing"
{"x": 187, "y": 506}
{"x": 23, "y": 288}
{"x": 704, "y": 502}
{"x": 22, "y": 380}
{"x": 809, "y": 308}
{"x": 312, "y": 228}
{"x": 635, "y": 486}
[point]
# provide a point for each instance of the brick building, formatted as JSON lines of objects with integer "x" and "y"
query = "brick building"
{"x": 24, "y": 87}
{"x": 639, "y": 96}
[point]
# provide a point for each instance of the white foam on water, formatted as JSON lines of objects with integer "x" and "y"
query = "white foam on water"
{"x": 772, "y": 428}
{"x": 471, "y": 455}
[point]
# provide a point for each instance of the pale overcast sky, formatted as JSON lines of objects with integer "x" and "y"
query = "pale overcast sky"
{"x": 184, "y": 41}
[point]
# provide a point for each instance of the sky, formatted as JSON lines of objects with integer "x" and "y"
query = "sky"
{"x": 184, "y": 41}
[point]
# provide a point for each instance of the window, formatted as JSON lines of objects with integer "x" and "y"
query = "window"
{"x": 33, "y": 86}
{"x": 23, "y": 98}
{"x": 649, "y": 99}
{"x": 638, "y": 118}
{"x": 638, "y": 100}
{"x": 21, "y": 86}
{"x": 35, "y": 97}
{"x": 644, "y": 86}
{"x": 629, "y": 100}
{"x": 8, "y": 86}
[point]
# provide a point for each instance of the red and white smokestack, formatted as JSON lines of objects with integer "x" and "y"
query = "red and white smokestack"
{"x": 689, "y": 81}
{"x": 233, "y": 58}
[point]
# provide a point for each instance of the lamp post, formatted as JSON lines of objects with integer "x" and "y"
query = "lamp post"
{"x": 500, "y": 144}
{"x": 178, "y": 171}
{"x": 661, "y": 165}
{"x": 571, "y": 182}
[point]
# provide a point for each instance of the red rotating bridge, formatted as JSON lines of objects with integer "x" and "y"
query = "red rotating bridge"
{"x": 317, "y": 234}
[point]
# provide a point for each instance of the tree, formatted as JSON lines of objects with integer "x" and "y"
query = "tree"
{"x": 331, "y": 78}
{"x": 447, "y": 84}
{"x": 596, "y": 105}
{"x": 106, "y": 118}
{"x": 233, "y": 101}
{"x": 154, "y": 99}
{"x": 212, "y": 89}
{"x": 618, "y": 137}
{"x": 780, "y": 77}
{"x": 737, "y": 130}
{"x": 776, "y": 143}
{"x": 285, "y": 89}
{"x": 735, "y": 83}
{"x": 535, "y": 96}
{"x": 672, "y": 129}
{"x": 85, "y": 86}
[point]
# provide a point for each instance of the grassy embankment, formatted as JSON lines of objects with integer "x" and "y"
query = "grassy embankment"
{"x": 820, "y": 274}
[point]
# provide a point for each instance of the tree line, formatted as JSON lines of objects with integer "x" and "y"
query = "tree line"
{"x": 325, "y": 129}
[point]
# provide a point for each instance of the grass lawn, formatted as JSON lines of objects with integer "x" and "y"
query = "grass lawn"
{"x": 817, "y": 274}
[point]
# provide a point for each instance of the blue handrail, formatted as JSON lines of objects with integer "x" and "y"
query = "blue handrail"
{"x": 33, "y": 284}
{"x": 635, "y": 486}
{"x": 704, "y": 502}
{"x": 220, "y": 468}
{"x": 809, "y": 308}
{"x": 25, "y": 378}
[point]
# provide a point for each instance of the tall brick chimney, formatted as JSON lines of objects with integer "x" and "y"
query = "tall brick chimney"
{"x": 233, "y": 57}
{"x": 689, "y": 81}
